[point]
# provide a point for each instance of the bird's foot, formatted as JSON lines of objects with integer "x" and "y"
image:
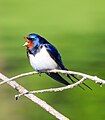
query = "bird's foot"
{"x": 41, "y": 71}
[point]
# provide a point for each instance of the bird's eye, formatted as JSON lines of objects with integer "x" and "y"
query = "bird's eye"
{"x": 30, "y": 38}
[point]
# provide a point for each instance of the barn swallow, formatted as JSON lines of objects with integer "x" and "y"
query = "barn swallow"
{"x": 43, "y": 56}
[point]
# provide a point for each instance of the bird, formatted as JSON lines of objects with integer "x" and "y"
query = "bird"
{"x": 44, "y": 56}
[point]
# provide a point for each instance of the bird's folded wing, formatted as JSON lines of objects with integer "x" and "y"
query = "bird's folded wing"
{"x": 54, "y": 55}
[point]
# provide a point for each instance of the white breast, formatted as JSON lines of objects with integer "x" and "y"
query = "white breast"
{"x": 42, "y": 60}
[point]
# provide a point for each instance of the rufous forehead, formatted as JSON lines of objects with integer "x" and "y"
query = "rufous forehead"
{"x": 30, "y": 44}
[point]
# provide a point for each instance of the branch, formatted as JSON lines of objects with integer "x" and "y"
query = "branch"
{"x": 93, "y": 78}
{"x": 18, "y": 76}
{"x": 40, "y": 102}
{"x": 54, "y": 89}
{"x": 33, "y": 98}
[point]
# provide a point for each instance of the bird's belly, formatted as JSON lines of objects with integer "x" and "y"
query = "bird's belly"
{"x": 42, "y": 61}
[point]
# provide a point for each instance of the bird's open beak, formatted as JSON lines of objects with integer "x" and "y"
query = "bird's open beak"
{"x": 26, "y": 43}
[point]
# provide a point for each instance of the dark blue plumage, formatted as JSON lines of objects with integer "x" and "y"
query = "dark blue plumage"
{"x": 44, "y": 56}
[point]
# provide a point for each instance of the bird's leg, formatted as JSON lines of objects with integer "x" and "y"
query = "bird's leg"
{"x": 39, "y": 74}
{"x": 41, "y": 71}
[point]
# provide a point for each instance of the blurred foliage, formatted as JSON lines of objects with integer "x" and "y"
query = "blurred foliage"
{"x": 77, "y": 29}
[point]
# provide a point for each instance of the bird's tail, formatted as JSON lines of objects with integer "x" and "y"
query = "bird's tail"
{"x": 58, "y": 78}
{"x": 69, "y": 76}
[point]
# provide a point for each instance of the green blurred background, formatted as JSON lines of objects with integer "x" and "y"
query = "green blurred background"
{"x": 77, "y": 29}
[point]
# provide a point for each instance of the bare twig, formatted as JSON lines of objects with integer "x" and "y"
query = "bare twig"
{"x": 55, "y": 89}
{"x": 33, "y": 98}
{"x": 19, "y": 76}
{"x": 93, "y": 78}
{"x": 37, "y": 100}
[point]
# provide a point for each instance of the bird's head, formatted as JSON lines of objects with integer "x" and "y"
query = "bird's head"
{"x": 33, "y": 40}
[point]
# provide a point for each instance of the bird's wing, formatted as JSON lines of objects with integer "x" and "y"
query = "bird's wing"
{"x": 58, "y": 78}
{"x": 54, "y": 54}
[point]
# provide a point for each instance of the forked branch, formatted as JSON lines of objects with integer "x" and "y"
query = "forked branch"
{"x": 34, "y": 98}
{"x": 40, "y": 102}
